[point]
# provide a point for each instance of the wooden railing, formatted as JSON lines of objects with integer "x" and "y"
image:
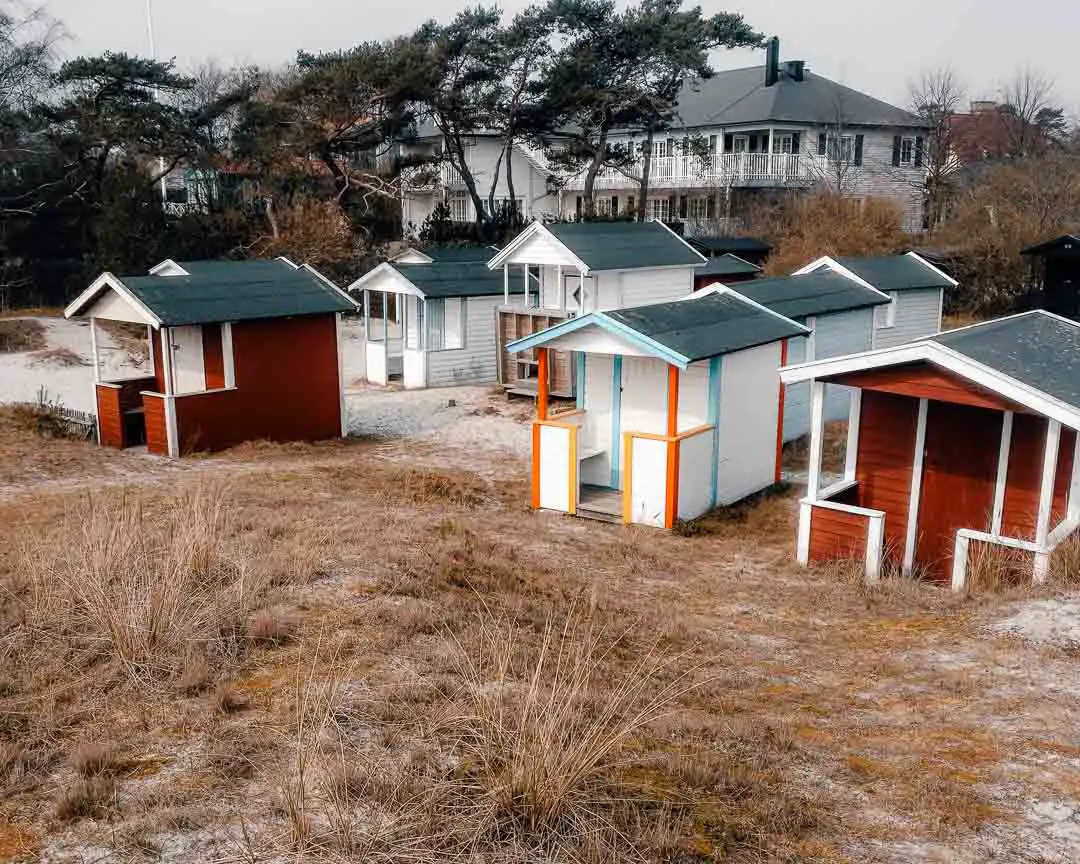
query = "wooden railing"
{"x": 723, "y": 169}
{"x": 653, "y": 477}
{"x": 832, "y": 529}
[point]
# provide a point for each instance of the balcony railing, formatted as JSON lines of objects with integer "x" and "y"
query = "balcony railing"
{"x": 727, "y": 169}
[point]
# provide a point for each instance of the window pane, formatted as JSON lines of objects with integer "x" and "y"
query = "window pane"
{"x": 453, "y": 323}
{"x": 436, "y": 325}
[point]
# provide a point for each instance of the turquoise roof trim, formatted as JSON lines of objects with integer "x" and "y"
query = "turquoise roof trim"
{"x": 605, "y": 322}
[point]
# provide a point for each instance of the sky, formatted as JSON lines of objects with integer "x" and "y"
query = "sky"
{"x": 874, "y": 46}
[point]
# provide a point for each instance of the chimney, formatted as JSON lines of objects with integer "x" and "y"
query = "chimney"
{"x": 795, "y": 69}
{"x": 772, "y": 61}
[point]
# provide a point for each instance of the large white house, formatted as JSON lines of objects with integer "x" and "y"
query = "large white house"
{"x": 740, "y": 135}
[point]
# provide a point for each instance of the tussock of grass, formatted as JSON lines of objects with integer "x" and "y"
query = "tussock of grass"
{"x": 21, "y": 334}
{"x": 86, "y": 798}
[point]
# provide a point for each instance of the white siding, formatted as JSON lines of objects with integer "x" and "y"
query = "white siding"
{"x": 542, "y": 248}
{"x": 648, "y": 486}
{"x": 695, "y": 465}
{"x": 597, "y": 429}
{"x": 554, "y": 461}
{"x": 749, "y": 405}
{"x": 918, "y": 315}
{"x": 657, "y": 285}
{"x": 644, "y": 395}
{"x": 796, "y": 396}
{"x": 694, "y": 397}
{"x": 476, "y": 363}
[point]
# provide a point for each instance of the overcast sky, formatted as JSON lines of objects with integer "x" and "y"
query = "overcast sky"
{"x": 875, "y": 46}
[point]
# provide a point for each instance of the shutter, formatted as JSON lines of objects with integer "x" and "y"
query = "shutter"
{"x": 729, "y": 143}
{"x": 682, "y": 207}
{"x": 896, "y": 142}
{"x": 795, "y": 142}
{"x": 822, "y": 144}
{"x": 710, "y": 207}
{"x": 579, "y": 207}
{"x": 630, "y": 205}
{"x": 918, "y": 152}
{"x": 614, "y": 205}
{"x": 671, "y": 203}
{"x": 670, "y": 148}
{"x": 858, "y": 149}
{"x": 712, "y": 144}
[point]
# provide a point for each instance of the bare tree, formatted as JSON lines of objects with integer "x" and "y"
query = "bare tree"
{"x": 1028, "y": 115}
{"x": 27, "y": 38}
{"x": 937, "y": 98}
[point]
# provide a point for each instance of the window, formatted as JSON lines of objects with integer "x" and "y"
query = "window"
{"x": 885, "y": 314}
{"x": 907, "y": 151}
{"x": 841, "y": 148}
{"x": 446, "y": 324}
{"x": 784, "y": 144}
{"x": 504, "y": 207}
{"x": 603, "y": 207}
{"x": 460, "y": 211}
{"x": 740, "y": 143}
{"x": 697, "y": 208}
{"x": 658, "y": 209}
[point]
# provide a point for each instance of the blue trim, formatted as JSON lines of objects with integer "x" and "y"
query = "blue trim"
{"x": 602, "y": 321}
{"x": 716, "y": 366}
{"x": 616, "y": 422}
{"x": 580, "y": 384}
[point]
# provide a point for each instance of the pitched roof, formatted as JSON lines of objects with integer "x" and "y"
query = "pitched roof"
{"x": 739, "y": 96}
{"x": 718, "y": 244}
{"x": 1065, "y": 246}
{"x": 459, "y": 253}
{"x": 1036, "y": 348}
{"x": 625, "y": 245}
{"x": 895, "y": 272}
{"x": 219, "y": 291}
{"x": 453, "y": 278}
{"x": 817, "y": 293}
{"x": 727, "y": 265}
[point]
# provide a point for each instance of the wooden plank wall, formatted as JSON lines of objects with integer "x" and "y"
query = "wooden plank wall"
{"x": 110, "y": 417}
{"x": 157, "y": 441}
{"x": 519, "y": 324}
{"x": 835, "y": 534}
{"x": 1025, "y": 476}
{"x": 925, "y": 381}
{"x": 886, "y": 452}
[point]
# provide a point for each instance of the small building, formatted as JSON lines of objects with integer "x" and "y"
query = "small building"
{"x": 677, "y": 409}
{"x": 442, "y": 327}
{"x": 967, "y": 439}
{"x": 569, "y": 269}
{"x": 838, "y": 311}
{"x": 1055, "y": 276}
{"x": 239, "y": 351}
{"x": 726, "y": 269}
{"x": 914, "y": 285}
{"x": 716, "y": 245}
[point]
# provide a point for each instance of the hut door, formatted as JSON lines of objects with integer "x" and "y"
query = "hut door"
{"x": 189, "y": 372}
{"x": 959, "y": 472}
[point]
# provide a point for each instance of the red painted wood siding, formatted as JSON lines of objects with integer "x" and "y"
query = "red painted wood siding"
{"x": 925, "y": 381}
{"x": 287, "y": 388}
{"x": 110, "y": 420}
{"x": 1024, "y": 476}
{"x": 887, "y": 426}
{"x": 159, "y": 366}
{"x": 213, "y": 356}
{"x": 959, "y": 475}
{"x": 156, "y": 437}
{"x": 834, "y": 534}
{"x": 1063, "y": 478}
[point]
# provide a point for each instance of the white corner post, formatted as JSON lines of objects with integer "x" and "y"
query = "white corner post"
{"x": 367, "y": 315}
{"x": 1046, "y": 500}
{"x": 342, "y": 408}
{"x": 229, "y": 357}
{"x": 171, "y": 434}
{"x": 94, "y": 354}
{"x": 1002, "y": 473}
{"x": 506, "y": 284}
{"x": 525, "y": 282}
{"x": 1074, "y": 484}
{"x": 915, "y": 494}
{"x": 817, "y": 436}
{"x": 851, "y": 450}
{"x": 561, "y": 287}
{"x": 150, "y": 345}
{"x": 386, "y": 323}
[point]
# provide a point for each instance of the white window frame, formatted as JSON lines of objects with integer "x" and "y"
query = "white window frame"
{"x": 448, "y": 314}
{"x": 840, "y": 148}
{"x": 786, "y": 141}
{"x": 658, "y": 210}
{"x": 885, "y": 314}
{"x": 907, "y": 144}
{"x": 460, "y": 208}
{"x": 697, "y": 208}
{"x": 736, "y": 140}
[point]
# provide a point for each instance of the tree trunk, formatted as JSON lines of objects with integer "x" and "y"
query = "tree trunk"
{"x": 494, "y": 184}
{"x": 646, "y": 170}
{"x": 518, "y": 217}
{"x": 470, "y": 183}
{"x": 589, "y": 203}
{"x": 271, "y": 217}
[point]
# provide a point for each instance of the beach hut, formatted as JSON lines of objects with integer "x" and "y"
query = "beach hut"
{"x": 555, "y": 271}
{"x": 916, "y": 290}
{"x": 1055, "y": 275}
{"x": 727, "y": 269}
{"x": 677, "y": 409}
{"x": 960, "y": 441}
{"x": 239, "y": 350}
{"x": 442, "y": 330}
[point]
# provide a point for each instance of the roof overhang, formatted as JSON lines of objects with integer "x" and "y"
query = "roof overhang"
{"x": 946, "y": 358}
{"x": 108, "y": 282}
{"x": 602, "y": 321}
{"x": 387, "y": 270}
{"x": 834, "y": 265}
{"x": 933, "y": 267}
{"x": 503, "y": 258}
{"x": 329, "y": 283}
{"x": 168, "y": 267}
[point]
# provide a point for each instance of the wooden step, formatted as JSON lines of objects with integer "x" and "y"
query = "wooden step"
{"x": 598, "y": 515}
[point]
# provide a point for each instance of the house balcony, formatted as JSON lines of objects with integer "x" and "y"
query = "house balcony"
{"x": 727, "y": 169}
{"x": 427, "y": 178}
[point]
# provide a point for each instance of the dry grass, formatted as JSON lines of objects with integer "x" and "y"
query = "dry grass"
{"x": 331, "y": 684}
{"x": 63, "y": 357}
{"x": 18, "y": 335}
{"x": 796, "y": 454}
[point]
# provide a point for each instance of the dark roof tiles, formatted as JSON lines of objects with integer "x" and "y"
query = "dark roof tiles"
{"x": 624, "y": 245}
{"x": 817, "y": 293}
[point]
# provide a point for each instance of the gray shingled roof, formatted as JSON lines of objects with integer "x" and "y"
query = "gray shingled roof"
{"x": 817, "y": 293}
{"x": 1065, "y": 246}
{"x": 708, "y": 326}
{"x": 727, "y": 244}
{"x": 624, "y": 245}
{"x": 739, "y": 96}
{"x": 453, "y": 278}
{"x": 218, "y": 291}
{"x": 727, "y": 265}
{"x": 894, "y": 272}
{"x": 460, "y": 253}
{"x": 1036, "y": 348}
